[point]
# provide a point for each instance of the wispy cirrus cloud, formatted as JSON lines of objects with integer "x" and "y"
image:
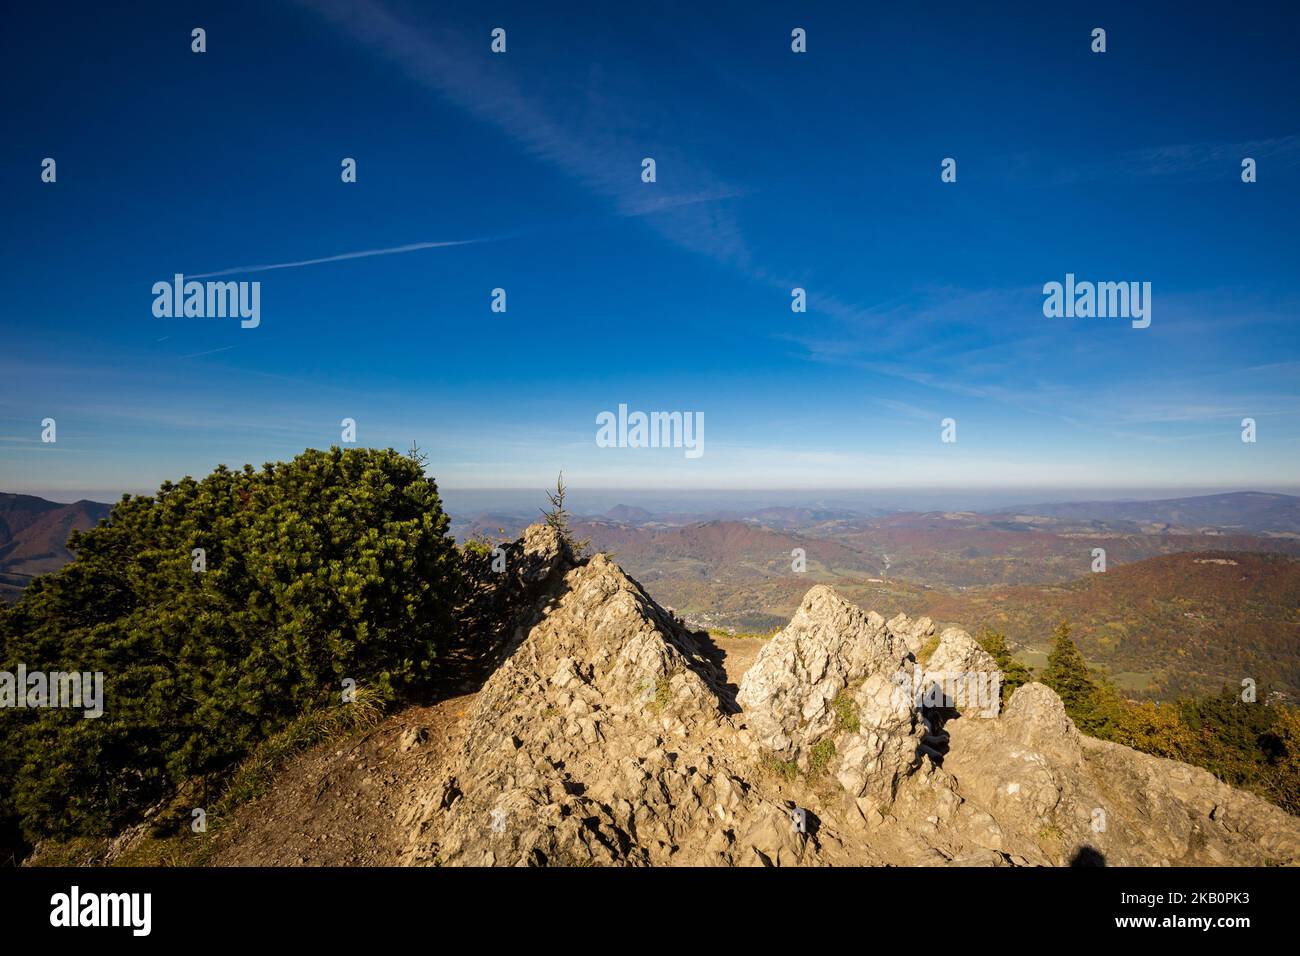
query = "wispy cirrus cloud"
{"x": 635, "y": 208}
{"x": 600, "y": 144}
{"x": 996, "y": 348}
{"x": 1187, "y": 162}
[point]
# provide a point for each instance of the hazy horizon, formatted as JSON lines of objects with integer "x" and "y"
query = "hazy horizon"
{"x": 596, "y": 501}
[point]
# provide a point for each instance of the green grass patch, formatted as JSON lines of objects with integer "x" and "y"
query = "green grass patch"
{"x": 663, "y": 693}
{"x": 820, "y": 758}
{"x": 846, "y": 712}
{"x": 782, "y": 768}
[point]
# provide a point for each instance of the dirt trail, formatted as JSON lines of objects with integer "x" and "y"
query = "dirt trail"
{"x": 338, "y": 804}
{"x": 738, "y": 655}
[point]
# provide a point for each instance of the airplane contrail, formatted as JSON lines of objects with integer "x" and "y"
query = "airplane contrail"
{"x": 392, "y": 250}
{"x": 225, "y": 348}
{"x": 631, "y": 211}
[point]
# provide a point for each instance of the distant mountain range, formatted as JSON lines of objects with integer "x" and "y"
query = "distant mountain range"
{"x": 1253, "y": 511}
{"x": 34, "y": 536}
{"x": 1043, "y": 544}
{"x": 1249, "y": 512}
{"x": 717, "y": 551}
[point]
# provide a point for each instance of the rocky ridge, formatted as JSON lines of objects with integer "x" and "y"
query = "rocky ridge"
{"x": 607, "y": 735}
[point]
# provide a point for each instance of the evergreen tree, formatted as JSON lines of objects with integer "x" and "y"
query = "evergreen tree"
{"x": 1014, "y": 673}
{"x": 417, "y": 455}
{"x": 558, "y": 517}
{"x": 1067, "y": 673}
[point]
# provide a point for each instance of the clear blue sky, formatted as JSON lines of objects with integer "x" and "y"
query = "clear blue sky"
{"x": 775, "y": 170}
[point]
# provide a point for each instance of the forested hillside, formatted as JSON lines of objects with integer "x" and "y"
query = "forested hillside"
{"x": 1176, "y": 624}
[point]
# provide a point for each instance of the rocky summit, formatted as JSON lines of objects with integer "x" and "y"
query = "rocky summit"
{"x": 608, "y": 734}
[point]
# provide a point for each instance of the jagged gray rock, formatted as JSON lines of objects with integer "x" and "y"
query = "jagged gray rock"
{"x": 604, "y": 737}
{"x": 914, "y": 634}
{"x": 967, "y": 677}
{"x": 830, "y": 646}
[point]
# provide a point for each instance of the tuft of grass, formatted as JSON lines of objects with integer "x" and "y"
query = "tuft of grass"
{"x": 846, "y": 712}
{"x": 74, "y": 851}
{"x": 181, "y": 849}
{"x": 782, "y": 768}
{"x": 663, "y": 694}
{"x": 927, "y": 649}
{"x": 820, "y": 758}
{"x": 253, "y": 778}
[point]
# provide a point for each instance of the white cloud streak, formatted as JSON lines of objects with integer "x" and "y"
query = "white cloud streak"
{"x": 365, "y": 253}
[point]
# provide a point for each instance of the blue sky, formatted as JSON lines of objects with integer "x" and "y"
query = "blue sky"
{"x": 774, "y": 170}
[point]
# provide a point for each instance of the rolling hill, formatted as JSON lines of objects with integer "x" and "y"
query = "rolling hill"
{"x": 1178, "y": 623}
{"x": 34, "y": 536}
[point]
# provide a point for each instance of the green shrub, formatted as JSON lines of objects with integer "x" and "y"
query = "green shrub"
{"x": 334, "y": 565}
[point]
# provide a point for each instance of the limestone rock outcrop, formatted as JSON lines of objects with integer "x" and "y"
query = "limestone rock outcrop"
{"x": 602, "y": 739}
{"x": 1062, "y": 797}
{"x": 830, "y": 647}
{"x": 912, "y": 633}
{"x": 605, "y": 736}
{"x": 961, "y": 677}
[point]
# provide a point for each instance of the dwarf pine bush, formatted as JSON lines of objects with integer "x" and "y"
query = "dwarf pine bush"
{"x": 335, "y": 565}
